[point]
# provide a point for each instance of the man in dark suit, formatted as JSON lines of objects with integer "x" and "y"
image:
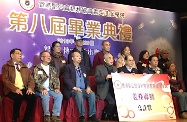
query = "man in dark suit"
{"x": 84, "y": 54}
{"x": 128, "y": 67}
{"x": 77, "y": 85}
{"x": 105, "y": 89}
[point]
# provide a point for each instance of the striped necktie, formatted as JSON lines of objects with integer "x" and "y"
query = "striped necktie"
{"x": 79, "y": 71}
{"x": 17, "y": 67}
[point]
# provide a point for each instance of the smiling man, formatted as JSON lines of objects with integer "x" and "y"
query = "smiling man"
{"x": 129, "y": 66}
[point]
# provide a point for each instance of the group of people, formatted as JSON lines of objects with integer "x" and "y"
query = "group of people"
{"x": 156, "y": 64}
{"x": 20, "y": 83}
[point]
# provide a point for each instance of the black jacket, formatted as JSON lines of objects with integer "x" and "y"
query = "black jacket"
{"x": 85, "y": 61}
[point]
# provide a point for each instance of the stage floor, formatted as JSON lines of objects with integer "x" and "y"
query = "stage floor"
{"x": 176, "y": 120}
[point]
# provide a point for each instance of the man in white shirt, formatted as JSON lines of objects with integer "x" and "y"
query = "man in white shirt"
{"x": 48, "y": 84}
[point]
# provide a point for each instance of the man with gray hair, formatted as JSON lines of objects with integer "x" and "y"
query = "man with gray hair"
{"x": 164, "y": 58}
{"x": 99, "y": 57}
{"x": 48, "y": 84}
{"x": 105, "y": 89}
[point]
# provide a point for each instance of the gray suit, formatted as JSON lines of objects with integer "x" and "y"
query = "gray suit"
{"x": 100, "y": 78}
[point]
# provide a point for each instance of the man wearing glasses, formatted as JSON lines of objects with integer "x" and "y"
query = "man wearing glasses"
{"x": 18, "y": 84}
{"x": 48, "y": 84}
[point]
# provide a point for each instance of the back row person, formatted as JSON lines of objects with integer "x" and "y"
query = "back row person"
{"x": 99, "y": 57}
{"x": 85, "y": 58}
{"x": 58, "y": 60}
{"x": 143, "y": 61}
{"x": 125, "y": 51}
{"x": 164, "y": 58}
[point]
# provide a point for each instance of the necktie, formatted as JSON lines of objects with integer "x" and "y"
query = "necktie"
{"x": 79, "y": 72}
{"x": 17, "y": 67}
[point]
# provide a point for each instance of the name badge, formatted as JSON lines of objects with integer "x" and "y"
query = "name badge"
{"x": 40, "y": 72}
{"x": 63, "y": 61}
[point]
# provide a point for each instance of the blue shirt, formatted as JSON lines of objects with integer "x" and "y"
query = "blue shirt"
{"x": 79, "y": 78}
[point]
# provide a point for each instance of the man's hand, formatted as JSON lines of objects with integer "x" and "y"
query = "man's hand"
{"x": 29, "y": 91}
{"x": 122, "y": 72}
{"x": 108, "y": 76}
{"x": 181, "y": 90}
{"x": 18, "y": 91}
{"x": 57, "y": 91}
{"x": 77, "y": 89}
{"x": 44, "y": 92}
{"x": 88, "y": 90}
{"x": 144, "y": 74}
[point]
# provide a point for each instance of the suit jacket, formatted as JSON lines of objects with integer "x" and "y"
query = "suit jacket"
{"x": 140, "y": 67}
{"x": 150, "y": 70}
{"x": 86, "y": 61}
{"x": 102, "y": 83}
{"x": 9, "y": 74}
{"x": 125, "y": 70}
{"x": 70, "y": 78}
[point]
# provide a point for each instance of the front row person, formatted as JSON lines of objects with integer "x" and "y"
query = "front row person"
{"x": 153, "y": 66}
{"x": 177, "y": 88}
{"x": 48, "y": 84}
{"x": 129, "y": 66}
{"x": 105, "y": 89}
{"x": 77, "y": 85}
{"x": 18, "y": 84}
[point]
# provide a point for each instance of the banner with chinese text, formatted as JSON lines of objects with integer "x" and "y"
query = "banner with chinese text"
{"x": 32, "y": 25}
{"x": 141, "y": 97}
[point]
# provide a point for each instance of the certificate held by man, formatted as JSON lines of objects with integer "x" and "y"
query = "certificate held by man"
{"x": 143, "y": 97}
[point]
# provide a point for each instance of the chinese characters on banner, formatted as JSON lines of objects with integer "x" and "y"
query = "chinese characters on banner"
{"x": 141, "y": 97}
{"x": 61, "y": 26}
{"x": 32, "y": 26}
